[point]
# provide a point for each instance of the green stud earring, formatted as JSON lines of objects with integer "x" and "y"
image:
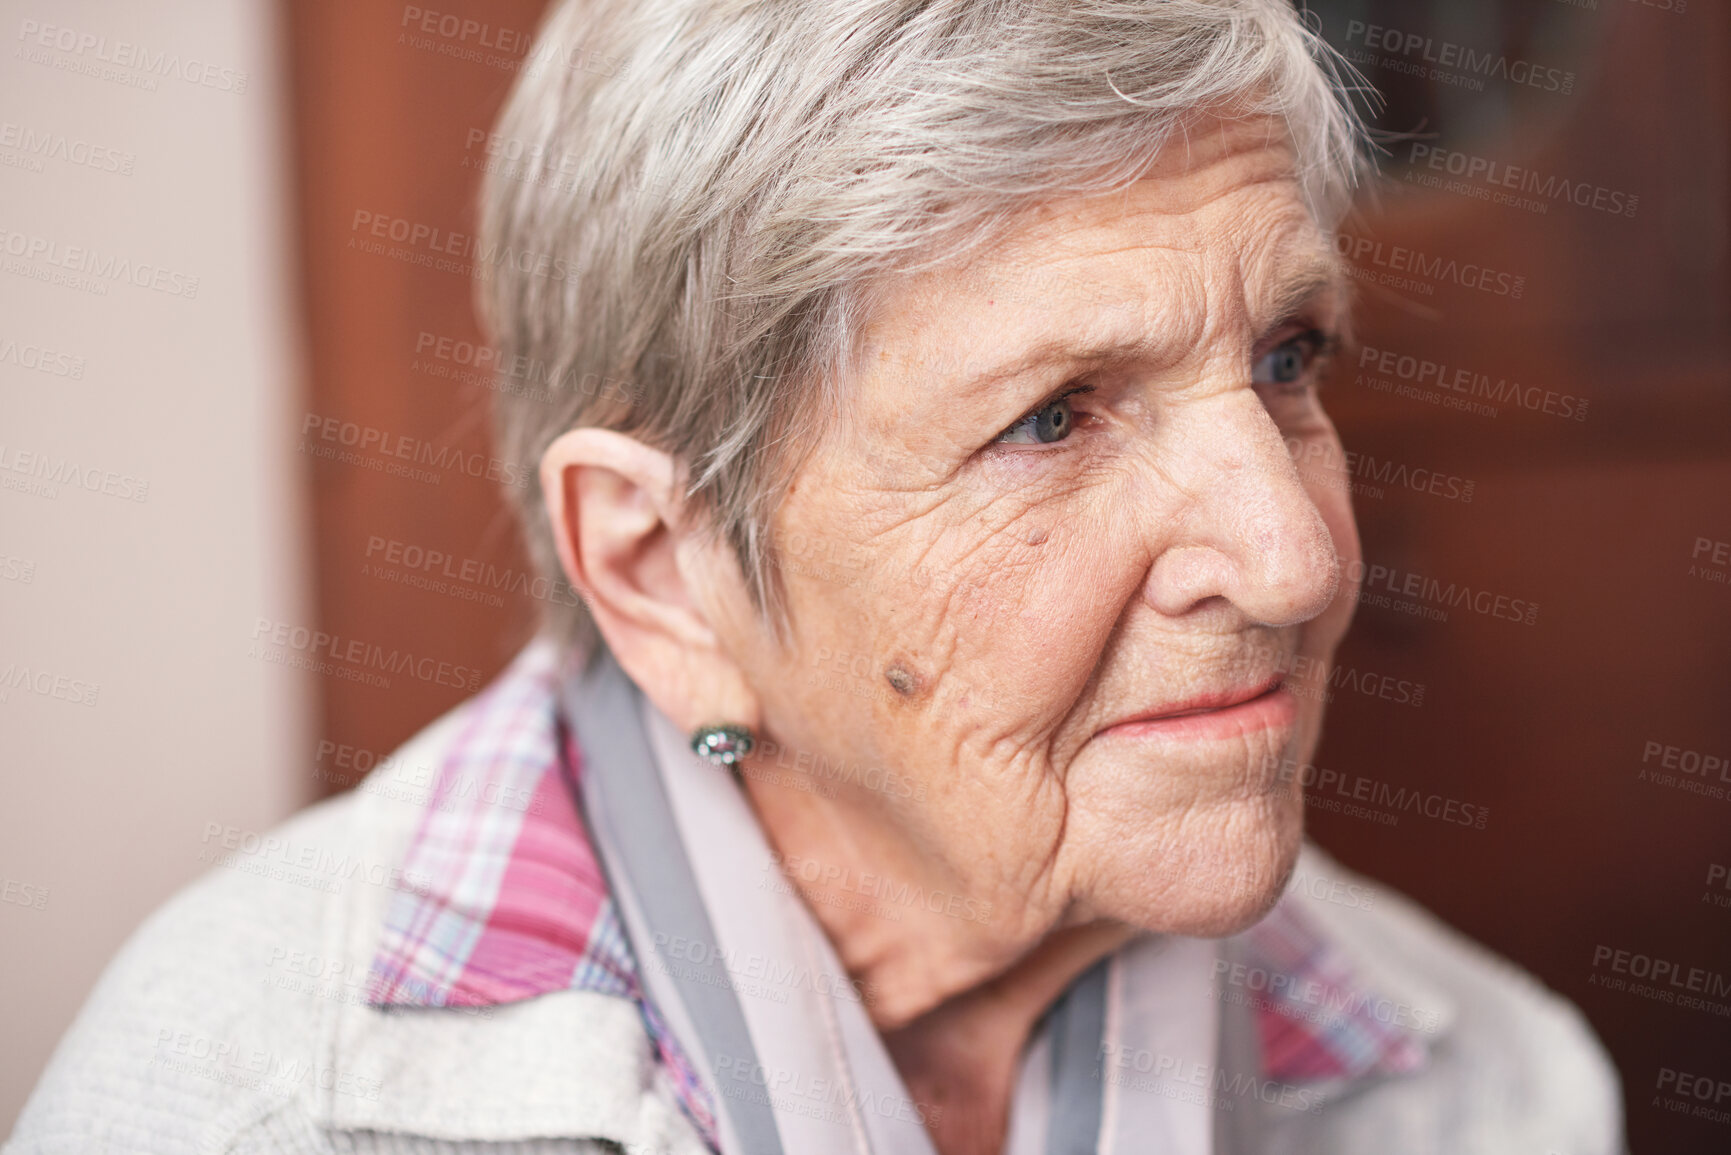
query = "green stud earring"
{"x": 722, "y": 743}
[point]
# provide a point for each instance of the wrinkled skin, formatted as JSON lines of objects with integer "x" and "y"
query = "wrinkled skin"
{"x": 975, "y": 614}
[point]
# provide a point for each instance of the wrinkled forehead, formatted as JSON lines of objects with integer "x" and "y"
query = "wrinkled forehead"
{"x": 1216, "y": 235}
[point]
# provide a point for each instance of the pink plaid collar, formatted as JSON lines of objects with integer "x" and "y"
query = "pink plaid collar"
{"x": 515, "y": 905}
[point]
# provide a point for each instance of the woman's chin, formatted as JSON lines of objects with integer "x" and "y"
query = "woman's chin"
{"x": 1209, "y": 888}
{"x": 1223, "y": 911}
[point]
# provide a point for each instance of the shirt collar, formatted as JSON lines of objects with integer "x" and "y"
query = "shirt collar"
{"x": 510, "y": 903}
{"x": 1317, "y": 1021}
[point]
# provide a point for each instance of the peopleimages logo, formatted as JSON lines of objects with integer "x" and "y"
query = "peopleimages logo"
{"x": 798, "y": 1091}
{"x": 1449, "y": 57}
{"x": 1675, "y": 976}
{"x": 46, "y": 683}
{"x": 23, "y": 894}
{"x": 1333, "y": 1002}
{"x": 1707, "y": 1092}
{"x": 443, "y": 572}
{"x": 464, "y": 31}
{"x": 1469, "y": 383}
{"x": 478, "y": 42}
{"x": 40, "y": 359}
{"x": 87, "y": 47}
{"x": 315, "y": 645}
{"x": 45, "y": 145}
{"x": 881, "y": 887}
{"x": 1382, "y": 471}
{"x": 447, "y": 250}
{"x": 367, "y": 439}
{"x": 1377, "y": 583}
{"x": 473, "y": 363}
{"x": 512, "y": 153}
{"x": 1319, "y": 678}
{"x": 1524, "y": 180}
{"x": 1406, "y": 268}
{"x": 1122, "y": 1063}
{"x": 46, "y": 471}
{"x": 1322, "y": 784}
{"x": 88, "y": 269}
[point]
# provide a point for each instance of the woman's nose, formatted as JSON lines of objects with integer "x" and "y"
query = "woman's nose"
{"x": 1249, "y": 532}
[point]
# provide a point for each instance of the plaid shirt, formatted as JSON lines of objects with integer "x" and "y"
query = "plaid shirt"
{"x": 514, "y": 905}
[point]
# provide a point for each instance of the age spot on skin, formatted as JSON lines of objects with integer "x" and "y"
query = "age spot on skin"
{"x": 904, "y": 682}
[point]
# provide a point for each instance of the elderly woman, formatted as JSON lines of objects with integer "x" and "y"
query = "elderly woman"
{"x": 922, "y": 771}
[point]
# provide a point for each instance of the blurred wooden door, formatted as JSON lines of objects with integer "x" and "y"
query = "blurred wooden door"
{"x": 1546, "y": 328}
{"x": 415, "y": 552}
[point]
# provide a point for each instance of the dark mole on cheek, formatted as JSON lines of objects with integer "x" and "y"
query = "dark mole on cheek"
{"x": 904, "y": 682}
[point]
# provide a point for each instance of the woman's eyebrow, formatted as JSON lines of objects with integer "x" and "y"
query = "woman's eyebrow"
{"x": 1116, "y": 330}
{"x": 1060, "y": 351}
{"x": 1301, "y": 281}
{"x": 1301, "y": 284}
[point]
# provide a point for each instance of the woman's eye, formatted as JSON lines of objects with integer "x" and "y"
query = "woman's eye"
{"x": 1051, "y": 422}
{"x": 1288, "y": 362}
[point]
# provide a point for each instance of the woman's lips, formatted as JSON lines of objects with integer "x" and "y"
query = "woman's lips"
{"x": 1238, "y": 714}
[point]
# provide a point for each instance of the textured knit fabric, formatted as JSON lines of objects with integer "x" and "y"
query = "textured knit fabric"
{"x": 514, "y": 904}
{"x": 432, "y": 964}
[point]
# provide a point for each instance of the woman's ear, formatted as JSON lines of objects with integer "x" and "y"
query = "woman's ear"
{"x": 656, "y": 586}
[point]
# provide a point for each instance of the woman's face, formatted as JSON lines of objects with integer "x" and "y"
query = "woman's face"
{"x": 1051, "y": 568}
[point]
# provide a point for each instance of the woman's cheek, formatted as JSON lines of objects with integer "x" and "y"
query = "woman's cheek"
{"x": 1329, "y": 489}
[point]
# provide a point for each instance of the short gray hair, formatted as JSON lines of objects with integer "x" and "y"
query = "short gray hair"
{"x": 696, "y": 199}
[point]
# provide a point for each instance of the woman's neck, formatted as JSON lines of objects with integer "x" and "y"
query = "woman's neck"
{"x": 960, "y": 1060}
{"x": 954, "y": 982}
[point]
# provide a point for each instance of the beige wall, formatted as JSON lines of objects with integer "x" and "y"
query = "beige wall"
{"x": 141, "y": 608}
